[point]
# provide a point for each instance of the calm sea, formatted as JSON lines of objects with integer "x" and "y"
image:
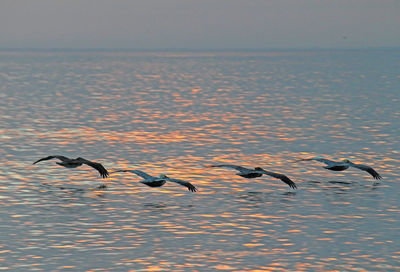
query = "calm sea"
{"x": 176, "y": 113}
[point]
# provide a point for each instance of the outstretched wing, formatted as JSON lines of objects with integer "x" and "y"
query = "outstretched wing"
{"x": 184, "y": 183}
{"x": 137, "y": 172}
{"x": 326, "y": 161}
{"x": 99, "y": 167}
{"x": 368, "y": 169}
{"x": 62, "y": 158}
{"x": 284, "y": 178}
{"x": 237, "y": 167}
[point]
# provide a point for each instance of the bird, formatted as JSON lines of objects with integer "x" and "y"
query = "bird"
{"x": 257, "y": 172}
{"x": 343, "y": 165}
{"x": 73, "y": 163}
{"x": 158, "y": 181}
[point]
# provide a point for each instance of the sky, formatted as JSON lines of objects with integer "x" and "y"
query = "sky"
{"x": 199, "y": 24}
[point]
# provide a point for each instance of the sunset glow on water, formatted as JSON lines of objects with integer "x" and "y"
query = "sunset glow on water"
{"x": 177, "y": 113}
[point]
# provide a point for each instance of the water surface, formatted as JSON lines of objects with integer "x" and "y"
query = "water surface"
{"x": 176, "y": 113}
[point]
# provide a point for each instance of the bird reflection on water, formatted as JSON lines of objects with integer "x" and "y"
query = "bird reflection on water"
{"x": 267, "y": 197}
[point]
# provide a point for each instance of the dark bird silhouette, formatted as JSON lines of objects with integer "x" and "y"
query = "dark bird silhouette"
{"x": 158, "y": 181}
{"x": 73, "y": 163}
{"x": 343, "y": 165}
{"x": 257, "y": 172}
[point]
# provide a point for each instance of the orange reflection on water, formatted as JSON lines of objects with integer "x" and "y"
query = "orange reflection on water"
{"x": 90, "y": 135}
{"x": 162, "y": 117}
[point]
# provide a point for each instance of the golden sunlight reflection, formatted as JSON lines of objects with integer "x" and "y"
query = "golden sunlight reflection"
{"x": 176, "y": 113}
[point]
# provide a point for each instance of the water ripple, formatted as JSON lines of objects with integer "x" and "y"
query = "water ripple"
{"x": 176, "y": 113}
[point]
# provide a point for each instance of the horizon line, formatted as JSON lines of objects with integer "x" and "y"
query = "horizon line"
{"x": 195, "y": 49}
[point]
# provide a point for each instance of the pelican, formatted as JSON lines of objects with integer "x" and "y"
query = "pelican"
{"x": 257, "y": 172}
{"x": 343, "y": 165}
{"x": 73, "y": 163}
{"x": 158, "y": 181}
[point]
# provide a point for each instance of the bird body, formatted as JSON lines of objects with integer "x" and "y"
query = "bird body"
{"x": 74, "y": 163}
{"x": 343, "y": 165}
{"x": 257, "y": 172}
{"x": 250, "y": 175}
{"x": 154, "y": 183}
{"x": 337, "y": 167}
{"x": 330, "y": 165}
{"x": 159, "y": 181}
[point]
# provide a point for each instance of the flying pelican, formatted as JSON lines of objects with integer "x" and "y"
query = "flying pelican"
{"x": 257, "y": 172}
{"x": 73, "y": 163}
{"x": 343, "y": 165}
{"x": 158, "y": 181}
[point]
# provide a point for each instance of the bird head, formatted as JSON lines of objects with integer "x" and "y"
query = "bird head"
{"x": 258, "y": 169}
{"x": 163, "y": 176}
{"x": 346, "y": 161}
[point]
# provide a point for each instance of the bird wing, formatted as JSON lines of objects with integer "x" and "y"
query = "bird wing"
{"x": 137, "y": 172}
{"x": 368, "y": 169}
{"x": 99, "y": 167}
{"x": 237, "y": 167}
{"x": 62, "y": 158}
{"x": 184, "y": 183}
{"x": 284, "y": 178}
{"x": 326, "y": 161}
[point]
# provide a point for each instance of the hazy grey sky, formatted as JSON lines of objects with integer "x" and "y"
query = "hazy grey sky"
{"x": 199, "y": 24}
